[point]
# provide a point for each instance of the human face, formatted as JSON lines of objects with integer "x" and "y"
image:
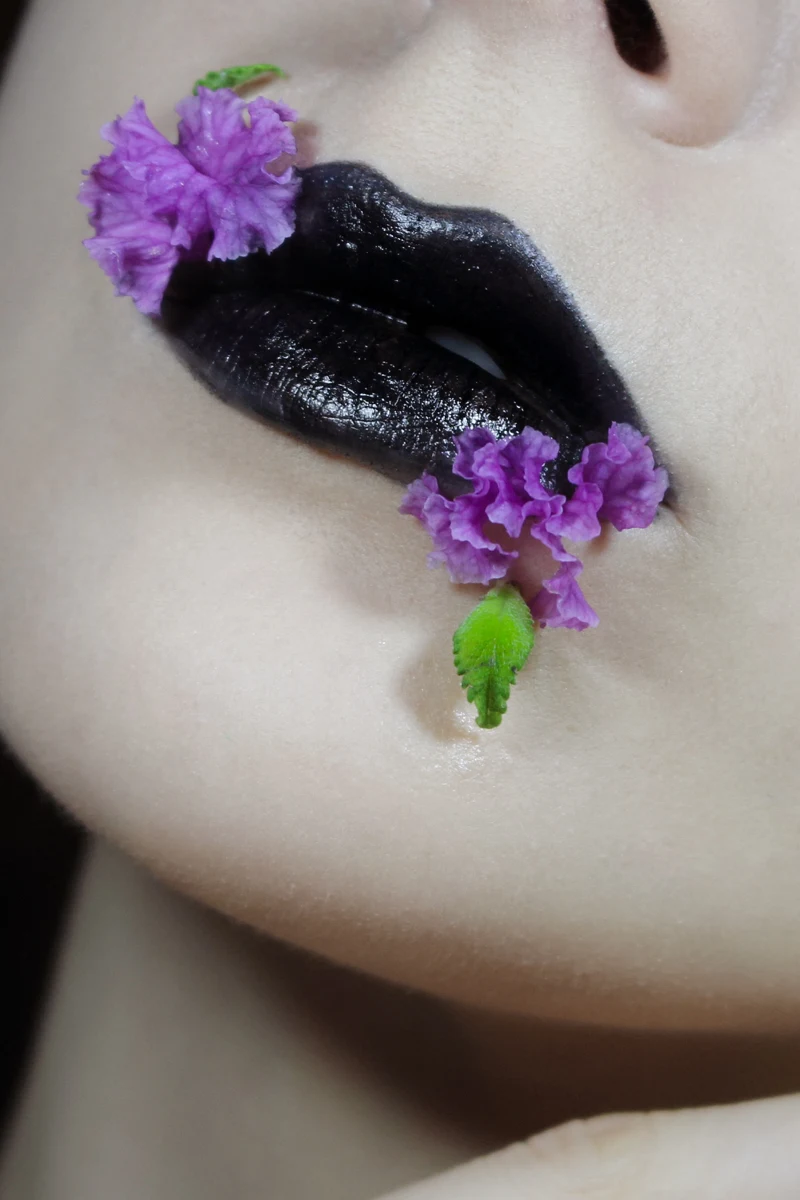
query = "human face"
{"x": 221, "y": 648}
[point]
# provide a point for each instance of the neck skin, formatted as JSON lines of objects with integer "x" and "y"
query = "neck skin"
{"x": 183, "y": 1056}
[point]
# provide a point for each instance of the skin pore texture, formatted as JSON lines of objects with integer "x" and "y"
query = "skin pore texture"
{"x": 220, "y": 648}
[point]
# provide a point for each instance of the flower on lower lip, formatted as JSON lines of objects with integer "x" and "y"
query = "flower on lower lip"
{"x": 615, "y": 481}
{"x": 152, "y": 203}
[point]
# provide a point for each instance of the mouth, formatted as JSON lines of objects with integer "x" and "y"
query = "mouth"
{"x": 385, "y": 326}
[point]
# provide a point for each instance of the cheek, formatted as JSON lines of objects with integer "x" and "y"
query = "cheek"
{"x": 249, "y": 686}
{"x": 222, "y": 650}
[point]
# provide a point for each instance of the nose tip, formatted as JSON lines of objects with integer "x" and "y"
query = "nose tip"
{"x": 710, "y": 63}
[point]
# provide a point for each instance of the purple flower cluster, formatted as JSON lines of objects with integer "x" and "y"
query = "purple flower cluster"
{"x": 153, "y": 202}
{"x": 616, "y": 481}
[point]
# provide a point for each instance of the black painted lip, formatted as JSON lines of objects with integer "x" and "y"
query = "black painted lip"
{"x": 326, "y": 336}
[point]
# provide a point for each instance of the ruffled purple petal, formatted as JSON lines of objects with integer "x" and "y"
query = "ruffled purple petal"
{"x": 552, "y": 542}
{"x": 417, "y": 495}
{"x": 616, "y": 480}
{"x": 139, "y": 259}
{"x": 144, "y": 173}
{"x": 467, "y": 445}
{"x": 190, "y": 213}
{"x": 247, "y": 217}
{"x": 521, "y": 494}
{"x": 506, "y": 475}
{"x": 231, "y": 139}
{"x": 456, "y": 530}
{"x": 212, "y": 131}
{"x": 624, "y": 471}
{"x": 561, "y": 603}
{"x": 131, "y": 194}
{"x": 135, "y": 137}
{"x": 578, "y": 519}
{"x": 501, "y": 500}
{"x": 231, "y": 143}
{"x": 527, "y": 454}
{"x": 270, "y": 135}
{"x": 284, "y": 111}
{"x": 152, "y": 203}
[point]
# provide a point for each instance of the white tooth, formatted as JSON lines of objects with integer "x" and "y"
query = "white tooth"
{"x": 465, "y": 348}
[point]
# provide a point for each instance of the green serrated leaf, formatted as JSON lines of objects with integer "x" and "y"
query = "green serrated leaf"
{"x": 233, "y": 77}
{"x": 490, "y": 647}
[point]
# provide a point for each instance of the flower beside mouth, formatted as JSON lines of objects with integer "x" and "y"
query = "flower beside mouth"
{"x": 615, "y": 481}
{"x": 153, "y": 203}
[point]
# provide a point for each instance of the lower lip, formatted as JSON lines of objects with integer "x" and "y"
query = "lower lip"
{"x": 352, "y": 379}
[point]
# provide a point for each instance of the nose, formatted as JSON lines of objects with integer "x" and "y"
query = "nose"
{"x": 695, "y": 71}
{"x": 477, "y": 86}
{"x": 687, "y": 71}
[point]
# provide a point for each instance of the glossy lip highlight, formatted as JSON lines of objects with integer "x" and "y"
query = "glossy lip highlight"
{"x": 327, "y": 336}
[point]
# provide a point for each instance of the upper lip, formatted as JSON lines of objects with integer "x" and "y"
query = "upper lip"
{"x": 327, "y": 334}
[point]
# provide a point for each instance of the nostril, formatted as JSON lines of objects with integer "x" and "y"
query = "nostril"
{"x": 695, "y": 71}
{"x": 637, "y": 35}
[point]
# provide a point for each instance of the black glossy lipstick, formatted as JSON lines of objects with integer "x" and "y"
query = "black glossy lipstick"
{"x": 329, "y": 335}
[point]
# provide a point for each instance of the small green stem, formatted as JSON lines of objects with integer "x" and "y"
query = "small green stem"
{"x": 233, "y": 77}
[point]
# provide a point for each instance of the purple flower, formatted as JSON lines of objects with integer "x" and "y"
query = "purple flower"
{"x": 510, "y": 471}
{"x": 620, "y": 478}
{"x": 152, "y": 202}
{"x": 456, "y": 530}
{"x": 562, "y": 603}
{"x": 615, "y": 481}
{"x": 231, "y": 192}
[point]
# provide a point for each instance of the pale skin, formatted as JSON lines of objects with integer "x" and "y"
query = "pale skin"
{"x": 221, "y": 650}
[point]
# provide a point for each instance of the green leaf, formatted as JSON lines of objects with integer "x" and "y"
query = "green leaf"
{"x": 233, "y": 77}
{"x": 490, "y": 647}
